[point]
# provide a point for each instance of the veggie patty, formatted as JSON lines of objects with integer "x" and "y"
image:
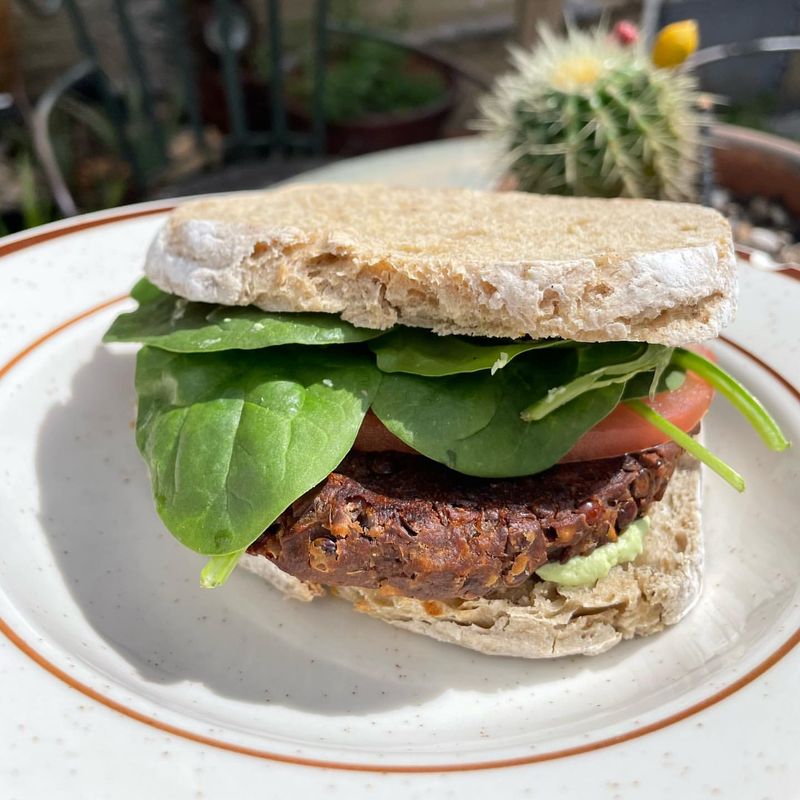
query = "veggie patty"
{"x": 413, "y": 527}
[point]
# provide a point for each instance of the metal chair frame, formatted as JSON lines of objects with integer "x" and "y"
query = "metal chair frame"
{"x": 240, "y": 139}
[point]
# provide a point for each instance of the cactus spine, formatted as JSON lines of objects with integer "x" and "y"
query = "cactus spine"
{"x": 585, "y": 115}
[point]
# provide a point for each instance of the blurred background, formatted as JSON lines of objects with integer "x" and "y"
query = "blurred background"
{"x": 105, "y": 102}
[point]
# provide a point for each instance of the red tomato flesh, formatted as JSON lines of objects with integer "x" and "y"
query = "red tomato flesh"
{"x": 624, "y": 431}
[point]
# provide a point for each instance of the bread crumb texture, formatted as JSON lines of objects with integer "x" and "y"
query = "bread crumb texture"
{"x": 541, "y": 619}
{"x": 459, "y": 261}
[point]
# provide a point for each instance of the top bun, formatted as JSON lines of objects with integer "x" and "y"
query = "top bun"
{"x": 458, "y": 261}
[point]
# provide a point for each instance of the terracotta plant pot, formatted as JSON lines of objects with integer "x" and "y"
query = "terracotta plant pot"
{"x": 748, "y": 162}
{"x": 394, "y": 129}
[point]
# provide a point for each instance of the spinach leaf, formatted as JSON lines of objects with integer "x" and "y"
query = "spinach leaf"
{"x": 172, "y": 323}
{"x": 601, "y": 365}
{"x": 472, "y": 422}
{"x": 233, "y": 439}
{"x": 746, "y": 404}
{"x": 421, "y": 352}
{"x": 641, "y": 385}
{"x": 688, "y": 443}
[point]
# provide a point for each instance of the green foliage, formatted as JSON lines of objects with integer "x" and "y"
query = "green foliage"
{"x": 365, "y": 78}
{"x": 602, "y": 365}
{"x": 585, "y": 115}
{"x": 749, "y": 406}
{"x": 86, "y": 148}
{"x": 175, "y": 324}
{"x": 35, "y": 209}
{"x": 641, "y": 385}
{"x": 421, "y": 352}
{"x": 233, "y": 438}
{"x": 78, "y": 132}
{"x": 472, "y": 422}
{"x": 688, "y": 443}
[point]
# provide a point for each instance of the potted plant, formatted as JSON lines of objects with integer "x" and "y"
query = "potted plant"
{"x": 590, "y": 114}
{"x": 377, "y": 95}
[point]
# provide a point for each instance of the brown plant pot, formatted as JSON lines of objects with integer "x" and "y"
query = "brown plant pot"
{"x": 383, "y": 131}
{"x": 748, "y": 162}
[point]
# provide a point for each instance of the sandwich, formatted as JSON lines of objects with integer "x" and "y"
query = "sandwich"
{"x": 472, "y": 415}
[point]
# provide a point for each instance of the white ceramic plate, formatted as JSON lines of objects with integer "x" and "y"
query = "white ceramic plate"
{"x": 241, "y": 684}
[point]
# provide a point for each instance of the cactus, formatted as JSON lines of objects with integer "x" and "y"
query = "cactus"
{"x": 587, "y": 115}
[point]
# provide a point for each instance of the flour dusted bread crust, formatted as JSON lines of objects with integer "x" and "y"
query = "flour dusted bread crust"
{"x": 458, "y": 261}
{"x": 542, "y": 619}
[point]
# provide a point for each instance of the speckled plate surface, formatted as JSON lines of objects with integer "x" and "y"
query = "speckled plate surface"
{"x": 120, "y": 677}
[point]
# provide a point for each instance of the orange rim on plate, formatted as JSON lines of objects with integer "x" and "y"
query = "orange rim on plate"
{"x": 57, "y": 672}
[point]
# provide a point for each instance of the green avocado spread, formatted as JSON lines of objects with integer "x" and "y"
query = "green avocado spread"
{"x": 587, "y": 570}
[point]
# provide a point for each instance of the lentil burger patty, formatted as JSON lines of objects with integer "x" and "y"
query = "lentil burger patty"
{"x": 412, "y": 527}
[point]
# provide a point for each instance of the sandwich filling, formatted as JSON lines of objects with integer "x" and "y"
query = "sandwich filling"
{"x": 424, "y": 465}
{"x": 411, "y": 527}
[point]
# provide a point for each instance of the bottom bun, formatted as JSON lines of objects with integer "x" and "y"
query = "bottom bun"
{"x": 541, "y": 619}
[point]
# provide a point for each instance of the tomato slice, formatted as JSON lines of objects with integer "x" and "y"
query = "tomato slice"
{"x": 624, "y": 431}
{"x": 375, "y": 437}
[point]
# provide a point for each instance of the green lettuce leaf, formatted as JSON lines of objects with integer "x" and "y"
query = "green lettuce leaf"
{"x": 172, "y": 323}
{"x": 233, "y": 439}
{"x": 641, "y": 385}
{"x": 472, "y": 423}
{"x": 749, "y": 406}
{"x": 601, "y": 365}
{"x": 688, "y": 443}
{"x": 421, "y": 352}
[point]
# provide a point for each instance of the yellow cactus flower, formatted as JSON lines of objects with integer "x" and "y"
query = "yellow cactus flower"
{"x": 675, "y": 43}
